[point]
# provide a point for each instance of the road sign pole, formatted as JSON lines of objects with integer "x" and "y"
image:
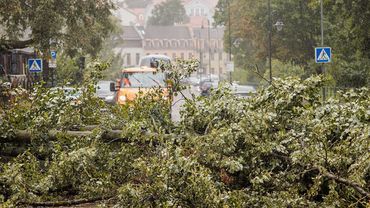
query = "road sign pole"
{"x": 322, "y": 44}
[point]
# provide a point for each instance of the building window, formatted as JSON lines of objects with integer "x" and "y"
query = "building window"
{"x": 197, "y": 12}
{"x": 128, "y": 59}
{"x": 220, "y": 55}
{"x": 182, "y": 56}
{"x": 212, "y": 70}
{"x": 137, "y": 58}
{"x": 212, "y": 56}
{"x": 190, "y": 43}
{"x": 174, "y": 43}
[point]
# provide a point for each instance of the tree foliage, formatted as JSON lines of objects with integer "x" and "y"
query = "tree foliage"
{"x": 169, "y": 12}
{"x": 75, "y": 25}
{"x": 282, "y": 147}
{"x": 345, "y": 25}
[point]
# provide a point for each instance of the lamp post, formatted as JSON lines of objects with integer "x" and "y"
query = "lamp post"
{"x": 270, "y": 31}
{"x": 279, "y": 26}
{"x": 230, "y": 44}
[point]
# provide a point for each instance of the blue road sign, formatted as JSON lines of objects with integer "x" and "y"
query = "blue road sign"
{"x": 35, "y": 65}
{"x": 323, "y": 55}
{"x": 53, "y": 54}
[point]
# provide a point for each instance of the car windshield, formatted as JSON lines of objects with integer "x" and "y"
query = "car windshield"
{"x": 143, "y": 80}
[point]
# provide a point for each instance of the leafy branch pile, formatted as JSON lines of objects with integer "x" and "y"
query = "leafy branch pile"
{"x": 283, "y": 147}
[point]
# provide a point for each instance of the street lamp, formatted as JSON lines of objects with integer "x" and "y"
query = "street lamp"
{"x": 279, "y": 26}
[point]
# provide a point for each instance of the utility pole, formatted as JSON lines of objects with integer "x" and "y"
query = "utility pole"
{"x": 209, "y": 46}
{"x": 270, "y": 31}
{"x": 200, "y": 55}
{"x": 230, "y": 44}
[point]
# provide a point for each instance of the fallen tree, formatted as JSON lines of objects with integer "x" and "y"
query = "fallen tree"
{"x": 283, "y": 147}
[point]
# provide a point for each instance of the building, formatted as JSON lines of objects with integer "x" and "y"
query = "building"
{"x": 173, "y": 41}
{"x": 199, "y": 11}
{"x": 130, "y": 45}
{"x": 197, "y": 39}
{"x": 13, "y": 66}
{"x": 210, "y": 50}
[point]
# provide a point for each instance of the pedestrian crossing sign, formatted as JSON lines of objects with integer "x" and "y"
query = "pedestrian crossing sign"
{"x": 35, "y": 65}
{"x": 323, "y": 55}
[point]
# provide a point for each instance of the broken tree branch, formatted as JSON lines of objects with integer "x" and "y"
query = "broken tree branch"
{"x": 354, "y": 185}
{"x": 65, "y": 203}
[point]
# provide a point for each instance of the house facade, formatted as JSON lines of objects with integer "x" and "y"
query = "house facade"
{"x": 172, "y": 41}
{"x": 13, "y": 67}
{"x": 210, "y": 51}
{"x": 130, "y": 45}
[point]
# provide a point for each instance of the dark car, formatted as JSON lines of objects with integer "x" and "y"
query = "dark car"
{"x": 206, "y": 85}
{"x": 154, "y": 60}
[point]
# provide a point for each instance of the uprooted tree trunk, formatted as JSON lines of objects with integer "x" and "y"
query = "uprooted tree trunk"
{"x": 24, "y": 136}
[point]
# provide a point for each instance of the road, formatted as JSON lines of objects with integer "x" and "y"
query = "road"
{"x": 179, "y": 101}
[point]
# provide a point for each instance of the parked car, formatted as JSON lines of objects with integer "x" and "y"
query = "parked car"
{"x": 242, "y": 90}
{"x": 153, "y": 61}
{"x": 206, "y": 85}
{"x": 103, "y": 91}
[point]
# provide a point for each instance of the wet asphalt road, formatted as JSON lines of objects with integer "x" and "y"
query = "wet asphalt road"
{"x": 179, "y": 101}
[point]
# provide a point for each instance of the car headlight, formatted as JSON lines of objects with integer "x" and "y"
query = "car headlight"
{"x": 122, "y": 98}
{"x": 108, "y": 98}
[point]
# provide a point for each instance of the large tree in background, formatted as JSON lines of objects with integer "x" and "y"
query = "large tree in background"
{"x": 168, "y": 13}
{"x": 76, "y": 25}
{"x": 346, "y": 31}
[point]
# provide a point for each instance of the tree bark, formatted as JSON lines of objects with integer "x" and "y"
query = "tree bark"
{"x": 24, "y": 136}
{"x": 15, "y": 44}
{"x": 354, "y": 185}
{"x": 66, "y": 203}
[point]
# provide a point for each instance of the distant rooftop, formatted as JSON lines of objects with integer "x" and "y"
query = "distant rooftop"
{"x": 137, "y": 3}
{"x": 130, "y": 33}
{"x": 167, "y": 32}
{"x": 215, "y": 33}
